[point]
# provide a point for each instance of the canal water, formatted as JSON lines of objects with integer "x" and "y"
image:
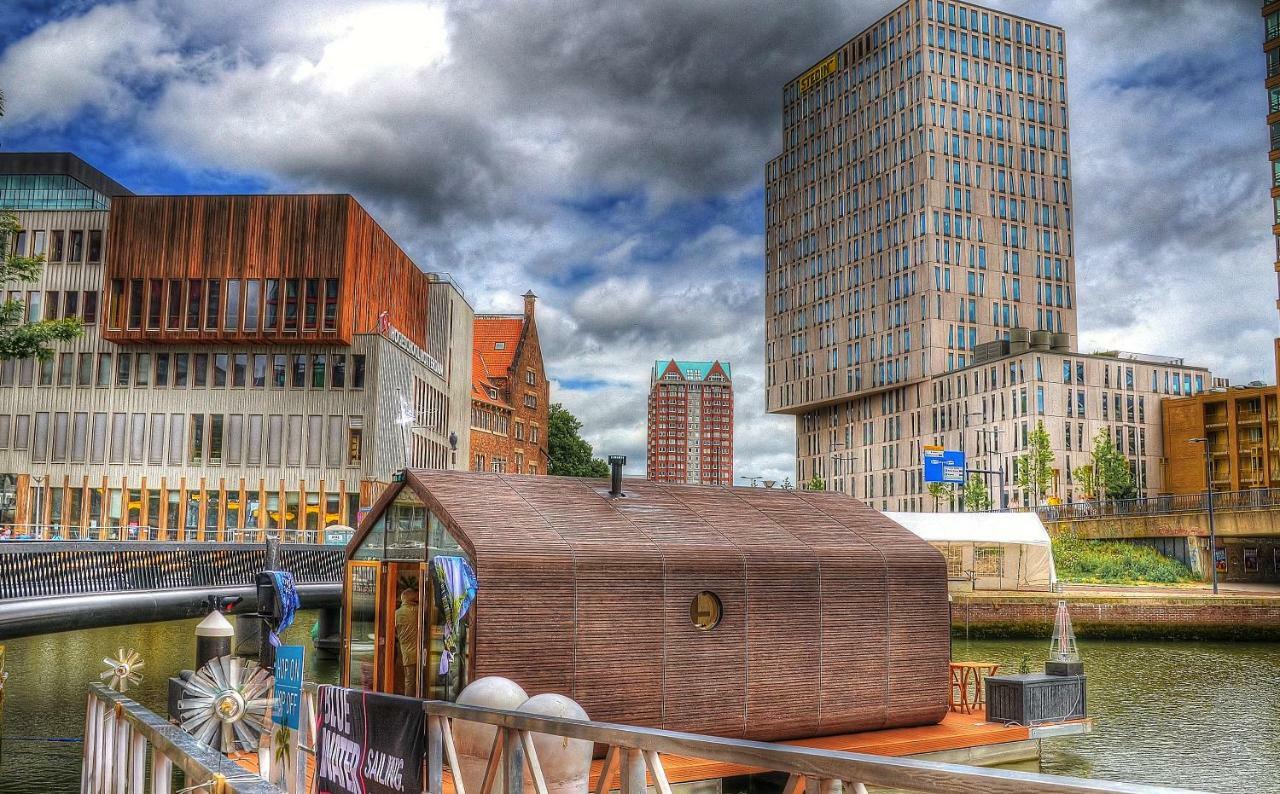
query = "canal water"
{"x": 1199, "y": 715}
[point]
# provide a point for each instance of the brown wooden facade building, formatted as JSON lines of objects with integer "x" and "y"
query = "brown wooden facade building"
{"x": 742, "y": 612}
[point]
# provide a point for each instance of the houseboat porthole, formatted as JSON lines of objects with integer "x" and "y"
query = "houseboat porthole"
{"x": 705, "y": 610}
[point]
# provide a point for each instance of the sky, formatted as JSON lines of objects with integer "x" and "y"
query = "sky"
{"x": 609, "y": 156}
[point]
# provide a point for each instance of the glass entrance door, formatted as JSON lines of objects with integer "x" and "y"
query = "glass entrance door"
{"x": 360, "y": 667}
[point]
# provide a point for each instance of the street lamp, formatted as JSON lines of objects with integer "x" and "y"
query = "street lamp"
{"x": 991, "y": 448}
{"x": 1208, "y": 481}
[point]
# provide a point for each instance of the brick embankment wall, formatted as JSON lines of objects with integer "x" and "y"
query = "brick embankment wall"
{"x": 1118, "y": 617}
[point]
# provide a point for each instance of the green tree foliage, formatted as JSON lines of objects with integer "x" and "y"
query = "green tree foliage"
{"x": 1034, "y": 469}
{"x": 1107, "y": 473}
{"x": 570, "y": 455}
{"x": 816, "y": 484}
{"x": 940, "y": 491}
{"x": 20, "y": 339}
{"x": 976, "y": 496}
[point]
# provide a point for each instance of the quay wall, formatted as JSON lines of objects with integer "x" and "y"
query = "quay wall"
{"x": 1118, "y": 617}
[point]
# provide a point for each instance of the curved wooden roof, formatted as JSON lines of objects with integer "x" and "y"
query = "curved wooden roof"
{"x": 834, "y": 617}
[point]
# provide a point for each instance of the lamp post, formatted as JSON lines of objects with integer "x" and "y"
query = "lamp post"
{"x": 992, "y": 450}
{"x": 1208, "y": 482}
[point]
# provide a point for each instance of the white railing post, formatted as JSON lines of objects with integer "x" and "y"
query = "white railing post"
{"x": 137, "y": 763}
{"x": 123, "y": 734}
{"x": 106, "y": 748}
{"x": 161, "y": 772}
{"x": 513, "y": 766}
{"x": 90, "y": 738}
{"x": 435, "y": 755}
{"x": 633, "y": 773}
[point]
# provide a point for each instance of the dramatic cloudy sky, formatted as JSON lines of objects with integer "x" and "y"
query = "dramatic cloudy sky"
{"x": 609, "y": 157}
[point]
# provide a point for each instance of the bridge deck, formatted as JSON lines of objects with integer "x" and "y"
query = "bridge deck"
{"x": 955, "y": 732}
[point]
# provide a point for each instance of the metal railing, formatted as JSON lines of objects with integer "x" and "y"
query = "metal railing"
{"x": 36, "y": 570}
{"x": 126, "y": 746}
{"x": 1252, "y": 499}
{"x": 58, "y": 532}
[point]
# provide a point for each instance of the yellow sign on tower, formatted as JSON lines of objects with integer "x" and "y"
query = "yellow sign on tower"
{"x": 818, "y": 73}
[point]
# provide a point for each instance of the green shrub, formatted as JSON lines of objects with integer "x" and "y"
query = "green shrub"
{"x": 1112, "y": 562}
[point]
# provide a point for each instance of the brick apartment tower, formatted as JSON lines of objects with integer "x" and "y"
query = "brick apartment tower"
{"x": 690, "y": 429}
{"x": 510, "y": 394}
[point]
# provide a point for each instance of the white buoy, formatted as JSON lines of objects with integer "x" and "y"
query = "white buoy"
{"x": 213, "y": 638}
{"x": 565, "y": 762}
{"x": 474, "y": 740}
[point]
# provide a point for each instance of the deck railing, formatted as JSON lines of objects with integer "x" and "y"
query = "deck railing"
{"x": 59, "y": 532}
{"x": 1252, "y": 499}
{"x": 127, "y": 747}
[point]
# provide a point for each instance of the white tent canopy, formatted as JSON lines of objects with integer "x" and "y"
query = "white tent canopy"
{"x": 1026, "y": 561}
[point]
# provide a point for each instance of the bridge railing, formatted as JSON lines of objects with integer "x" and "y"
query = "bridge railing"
{"x": 54, "y": 532}
{"x": 1226, "y": 501}
{"x": 126, "y": 746}
{"x": 36, "y": 570}
{"x": 633, "y": 759}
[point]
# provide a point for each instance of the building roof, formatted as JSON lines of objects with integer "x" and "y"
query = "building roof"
{"x": 483, "y": 387}
{"x": 496, "y": 338}
{"x": 702, "y": 368}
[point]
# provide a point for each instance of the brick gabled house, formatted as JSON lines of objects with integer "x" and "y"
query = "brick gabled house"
{"x": 510, "y": 395}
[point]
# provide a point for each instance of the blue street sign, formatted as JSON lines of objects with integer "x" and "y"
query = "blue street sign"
{"x": 288, "y": 697}
{"x": 944, "y": 465}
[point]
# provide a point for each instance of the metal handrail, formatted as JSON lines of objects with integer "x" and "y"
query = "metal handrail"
{"x": 635, "y": 752}
{"x": 126, "y": 745}
{"x": 1249, "y": 499}
{"x": 130, "y": 532}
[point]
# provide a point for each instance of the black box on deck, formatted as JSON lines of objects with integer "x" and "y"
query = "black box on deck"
{"x": 1035, "y": 698}
{"x": 1064, "y": 668}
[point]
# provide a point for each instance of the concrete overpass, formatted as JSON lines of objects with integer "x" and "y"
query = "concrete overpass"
{"x": 1247, "y": 524}
{"x": 48, "y": 587}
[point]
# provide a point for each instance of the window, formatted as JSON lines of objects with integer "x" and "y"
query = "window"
{"x": 51, "y": 301}
{"x": 357, "y": 372}
{"x": 231, "y": 319}
{"x": 291, "y": 304}
{"x": 239, "y": 370}
{"x": 142, "y": 372}
{"x": 75, "y": 246}
{"x": 215, "y": 439}
{"x": 279, "y": 368}
{"x": 155, "y": 303}
{"x": 180, "y": 370}
{"x": 66, "y": 368}
{"x": 530, "y": 378}
{"x": 104, "y": 370}
{"x": 355, "y": 444}
{"x": 213, "y": 301}
{"x": 70, "y": 304}
{"x": 46, "y": 372}
{"x": 173, "y": 314}
{"x": 161, "y": 380}
{"x": 954, "y": 555}
{"x": 271, "y": 317}
{"x": 259, "y": 370}
{"x": 90, "y": 312}
{"x": 331, "y": 304}
{"x": 84, "y": 370}
{"x": 339, "y": 371}
{"x": 124, "y": 362}
{"x": 196, "y": 436}
{"x": 311, "y": 306}
{"x": 252, "y": 304}
{"x": 118, "y": 306}
{"x": 705, "y": 610}
{"x": 299, "y": 379}
{"x": 56, "y": 248}
{"x": 95, "y": 246}
{"x": 220, "y": 371}
{"x": 988, "y": 560}
{"x": 135, "y": 304}
{"x": 318, "y": 362}
{"x": 195, "y": 299}
{"x": 530, "y": 401}
{"x": 199, "y": 370}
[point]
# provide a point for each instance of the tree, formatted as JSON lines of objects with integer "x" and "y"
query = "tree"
{"x": 20, "y": 339}
{"x": 570, "y": 455}
{"x": 976, "y": 497}
{"x": 1112, "y": 475}
{"x": 940, "y": 491}
{"x": 1084, "y": 480}
{"x": 1034, "y": 470}
{"x": 816, "y": 484}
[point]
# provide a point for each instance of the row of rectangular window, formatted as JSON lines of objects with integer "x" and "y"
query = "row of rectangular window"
{"x": 56, "y": 305}
{"x": 234, "y": 305}
{"x": 59, "y": 246}
{"x": 201, "y": 439}
{"x": 190, "y": 370}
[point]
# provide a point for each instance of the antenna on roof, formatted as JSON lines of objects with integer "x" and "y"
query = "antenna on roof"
{"x": 616, "y": 462}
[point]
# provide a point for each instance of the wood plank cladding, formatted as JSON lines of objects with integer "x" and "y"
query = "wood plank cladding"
{"x": 166, "y": 255}
{"x": 834, "y": 619}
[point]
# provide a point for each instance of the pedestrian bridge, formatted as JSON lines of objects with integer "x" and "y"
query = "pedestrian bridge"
{"x": 51, "y": 586}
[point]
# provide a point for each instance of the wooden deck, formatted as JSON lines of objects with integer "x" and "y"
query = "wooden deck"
{"x": 955, "y": 732}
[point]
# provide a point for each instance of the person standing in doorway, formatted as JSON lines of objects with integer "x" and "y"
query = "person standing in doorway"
{"x": 407, "y": 638}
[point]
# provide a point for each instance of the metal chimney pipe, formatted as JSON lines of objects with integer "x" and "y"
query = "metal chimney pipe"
{"x": 616, "y": 462}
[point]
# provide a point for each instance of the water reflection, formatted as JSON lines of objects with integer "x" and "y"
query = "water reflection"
{"x": 44, "y": 708}
{"x": 1198, "y": 715}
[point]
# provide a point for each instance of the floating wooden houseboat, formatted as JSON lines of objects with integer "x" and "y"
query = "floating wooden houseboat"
{"x": 742, "y": 612}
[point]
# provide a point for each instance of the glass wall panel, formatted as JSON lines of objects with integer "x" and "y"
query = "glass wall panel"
{"x": 362, "y": 624}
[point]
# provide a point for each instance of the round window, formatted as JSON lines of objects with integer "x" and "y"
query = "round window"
{"x": 705, "y": 610}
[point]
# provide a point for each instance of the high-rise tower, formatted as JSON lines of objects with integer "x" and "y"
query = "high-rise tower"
{"x": 690, "y": 427}
{"x": 921, "y": 207}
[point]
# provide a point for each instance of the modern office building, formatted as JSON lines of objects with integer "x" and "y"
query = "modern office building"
{"x": 920, "y": 210}
{"x": 248, "y": 362}
{"x": 690, "y": 425}
{"x": 510, "y": 394}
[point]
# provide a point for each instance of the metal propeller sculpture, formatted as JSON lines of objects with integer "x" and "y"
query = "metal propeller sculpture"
{"x": 225, "y": 704}
{"x": 122, "y": 670}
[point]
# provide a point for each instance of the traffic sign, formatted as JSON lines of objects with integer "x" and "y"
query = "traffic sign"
{"x": 944, "y": 465}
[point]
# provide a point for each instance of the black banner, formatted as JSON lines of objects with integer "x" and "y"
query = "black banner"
{"x": 369, "y": 743}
